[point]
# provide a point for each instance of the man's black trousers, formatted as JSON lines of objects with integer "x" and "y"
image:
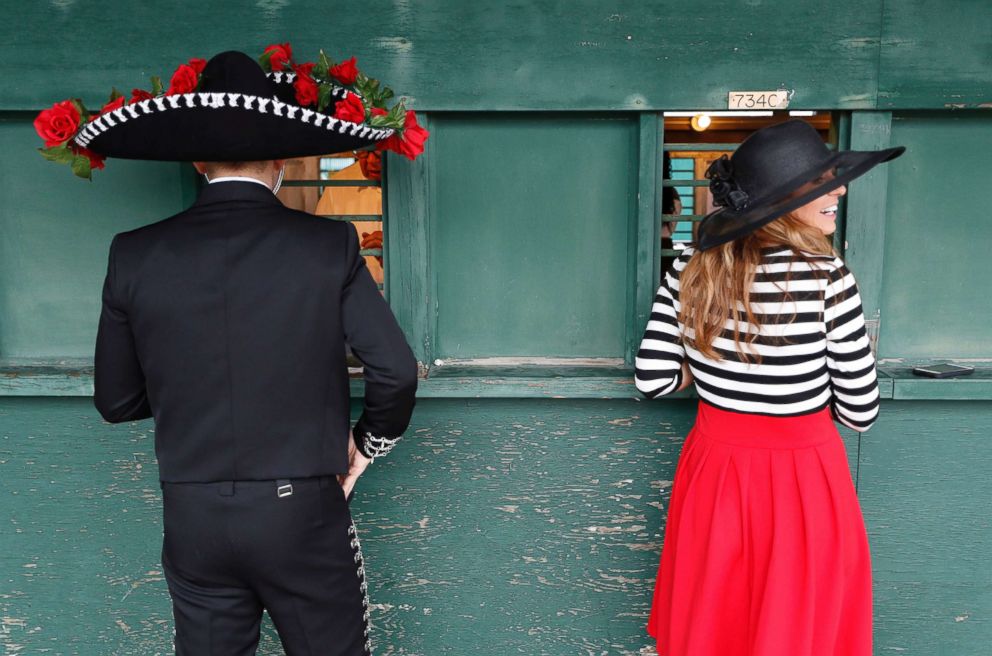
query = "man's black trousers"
{"x": 233, "y": 548}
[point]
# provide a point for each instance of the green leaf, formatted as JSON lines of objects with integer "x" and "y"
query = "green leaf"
{"x": 363, "y": 86}
{"x": 80, "y": 107}
{"x": 59, "y": 154}
{"x": 323, "y": 96}
{"x": 379, "y": 121}
{"x": 157, "y": 85}
{"x": 396, "y": 118}
{"x": 114, "y": 94}
{"x": 81, "y": 167}
{"x": 265, "y": 61}
{"x": 324, "y": 64}
{"x": 373, "y": 90}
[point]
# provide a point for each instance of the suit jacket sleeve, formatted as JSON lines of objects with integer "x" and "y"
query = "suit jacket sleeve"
{"x": 119, "y": 382}
{"x": 377, "y": 340}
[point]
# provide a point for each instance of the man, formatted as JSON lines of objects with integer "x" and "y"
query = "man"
{"x": 227, "y": 323}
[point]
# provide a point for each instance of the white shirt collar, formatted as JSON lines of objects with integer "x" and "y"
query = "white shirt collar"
{"x": 238, "y": 178}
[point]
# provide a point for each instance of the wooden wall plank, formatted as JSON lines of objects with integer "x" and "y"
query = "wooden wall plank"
{"x": 55, "y": 232}
{"x": 925, "y": 492}
{"x": 866, "y": 212}
{"x": 937, "y": 236}
{"x": 502, "y": 55}
{"x": 406, "y": 222}
{"x": 531, "y": 225}
{"x": 935, "y": 55}
{"x": 541, "y": 537}
{"x": 647, "y": 245}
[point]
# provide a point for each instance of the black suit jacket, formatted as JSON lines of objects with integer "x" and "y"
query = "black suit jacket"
{"x": 227, "y": 323}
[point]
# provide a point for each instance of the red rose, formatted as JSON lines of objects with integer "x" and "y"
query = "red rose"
{"x": 137, "y": 95}
{"x": 58, "y": 124}
{"x": 197, "y": 64}
{"x": 350, "y": 109}
{"x": 306, "y": 89}
{"x": 96, "y": 160}
{"x": 282, "y": 54}
{"x": 379, "y": 111}
{"x": 116, "y": 103}
{"x": 346, "y": 72}
{"x": 183, "y": 80}
{"x": 411, "y": 142}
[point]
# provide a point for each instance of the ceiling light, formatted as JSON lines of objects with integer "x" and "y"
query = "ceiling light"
{"x": 700, "y": 122}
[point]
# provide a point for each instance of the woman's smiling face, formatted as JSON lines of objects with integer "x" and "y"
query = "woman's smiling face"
{"x": 821, "y": 213}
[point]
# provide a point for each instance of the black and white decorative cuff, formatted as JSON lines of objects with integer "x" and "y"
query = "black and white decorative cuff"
{"x": 372, "y": 446}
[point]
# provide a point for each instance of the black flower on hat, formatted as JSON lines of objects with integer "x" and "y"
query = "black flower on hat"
{"x": 726, "y": 192}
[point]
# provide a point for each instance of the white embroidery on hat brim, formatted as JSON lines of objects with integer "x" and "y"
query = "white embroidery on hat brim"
{"x": 212, "y": 100}
{"x": 285, "y": 77}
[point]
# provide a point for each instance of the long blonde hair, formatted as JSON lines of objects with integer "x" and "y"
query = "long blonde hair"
{"x": 714, "y": 281}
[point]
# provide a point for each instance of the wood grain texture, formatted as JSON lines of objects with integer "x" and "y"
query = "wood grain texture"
{"x": 405, "y": 223}
{"x": 54, "y": 244}
{"x": 925, "y": 492}
{"x": 531, "y": 234}
{"x": 864, "y": 226}
{"x": 936, "y": 248}
{"x": 500, "y": 526}
{"x": 502, "y": 55}
{"x": 935, "y": 55}
{"x": 30, "y": 377}
{"x": 496, "y": 527}
{"x": 648, "y": 235}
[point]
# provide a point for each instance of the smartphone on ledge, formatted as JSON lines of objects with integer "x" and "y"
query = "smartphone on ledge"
{"x": 943, "y": 370}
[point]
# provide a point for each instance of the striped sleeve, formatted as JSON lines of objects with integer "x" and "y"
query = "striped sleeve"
{"x": 658, "y": 365}
{"x": 850, "y": 361}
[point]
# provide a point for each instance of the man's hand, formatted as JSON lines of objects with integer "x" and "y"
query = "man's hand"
{"x": 356, "y": 465}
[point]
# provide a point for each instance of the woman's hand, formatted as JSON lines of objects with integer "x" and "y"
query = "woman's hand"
{"x": 687, "y": 378}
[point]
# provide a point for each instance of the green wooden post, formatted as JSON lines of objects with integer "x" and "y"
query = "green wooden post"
{"x": 866, "y": 213}
{"x": 405, "y": 224}
{"x": 648, "y": 263}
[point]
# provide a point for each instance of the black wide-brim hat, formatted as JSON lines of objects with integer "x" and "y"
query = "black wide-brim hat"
{"x": 237, "y": 113}
{"x": 758, "y": 183}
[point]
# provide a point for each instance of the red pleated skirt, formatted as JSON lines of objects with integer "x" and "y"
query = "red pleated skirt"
{"x": 765, "y": 551}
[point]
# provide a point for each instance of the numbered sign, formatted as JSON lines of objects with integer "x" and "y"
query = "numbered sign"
{"x": 759, "y": 100}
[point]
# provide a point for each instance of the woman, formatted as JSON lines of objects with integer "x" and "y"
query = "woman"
{"x": 765, "y": 550}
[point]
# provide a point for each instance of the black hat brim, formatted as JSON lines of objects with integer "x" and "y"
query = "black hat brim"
{"x": 726, "y": 224}
{"x": 222, "y": 127}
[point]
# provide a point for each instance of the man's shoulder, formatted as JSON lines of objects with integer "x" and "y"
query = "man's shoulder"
{"x": 275, "y": 218}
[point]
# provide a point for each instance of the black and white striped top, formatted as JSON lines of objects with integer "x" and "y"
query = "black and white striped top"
{"x": 812, "y": 341}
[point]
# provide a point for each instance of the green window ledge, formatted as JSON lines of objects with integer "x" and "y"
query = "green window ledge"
{"x": 24, "y": 377}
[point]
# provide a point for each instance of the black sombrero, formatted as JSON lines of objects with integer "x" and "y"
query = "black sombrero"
{"x": 756, "y": 184}
{"x": 236, "y": 113}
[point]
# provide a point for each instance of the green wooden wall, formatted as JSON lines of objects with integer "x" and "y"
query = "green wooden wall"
{"x": 541, "y": 54}
{"x": 515, "y": 523}
{"x": 531, "y": 225}
{"x": 937, "y": 238}
{"x": 497, "y": 527}
{"x": 55, "y": 233}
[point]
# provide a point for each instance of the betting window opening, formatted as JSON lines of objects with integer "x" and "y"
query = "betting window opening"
{"x": 693, "y": 139}
{"x": 343, "y": 187}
